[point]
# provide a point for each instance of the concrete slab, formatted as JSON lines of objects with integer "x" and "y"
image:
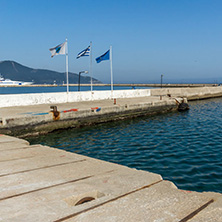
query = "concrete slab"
{"x": 9, "y": 139}
{"x": 12, "y": 145}
{"x": 26, "y": 152}
{"x": 39, "y": 183}
{"x": 37, "y": 162}
{"x": 211, "y": 213}
{"x": 59, "y": 201}
{"x": 160, "y": 202}
{"x": 29, "y": 181}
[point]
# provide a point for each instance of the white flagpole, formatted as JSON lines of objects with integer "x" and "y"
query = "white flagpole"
{"x": 67, "y": 72}
{"x": 90, "y": 67}
{"x": 111, "y": 69}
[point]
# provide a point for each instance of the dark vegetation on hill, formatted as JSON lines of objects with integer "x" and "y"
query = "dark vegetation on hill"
{"x": 15, "y": 71}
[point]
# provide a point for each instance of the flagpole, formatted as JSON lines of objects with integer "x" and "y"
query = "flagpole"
{"x": 111, "y": 69}
{"x": 90, "y": 67}
{"x": 67, "y": 72}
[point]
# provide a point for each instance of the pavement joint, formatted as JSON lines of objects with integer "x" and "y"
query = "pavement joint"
{"x": 55, "y": 185}
{"x": 108, "y": 201}
{"x": 194, "y": 213}
{"x": 28, "y": 157}
{"x": 45, "y": 167}
{"x": 44, "y": 188}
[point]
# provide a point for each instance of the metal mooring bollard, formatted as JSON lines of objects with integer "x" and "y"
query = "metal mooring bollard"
{"x": 114, "y": 101}
{"x": 55, "y": 112}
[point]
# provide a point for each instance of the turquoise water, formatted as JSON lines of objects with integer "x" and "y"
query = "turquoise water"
{"x": 185, "y": 148}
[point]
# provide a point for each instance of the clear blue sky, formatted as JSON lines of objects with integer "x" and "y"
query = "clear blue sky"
{"x": 181, "y": 39}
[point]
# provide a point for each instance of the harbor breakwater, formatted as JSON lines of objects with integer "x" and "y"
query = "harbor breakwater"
{"x": 40, "y": 183}
{"x": 29, "y": 99}
{"x": 189, "y": 93}
{"x": 42, "y": 113}
{"x": 64, "y": 97}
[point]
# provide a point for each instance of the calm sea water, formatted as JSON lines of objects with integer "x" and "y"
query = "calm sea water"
{"x": 185, "y": 148}
{"x": 20, "y": 90}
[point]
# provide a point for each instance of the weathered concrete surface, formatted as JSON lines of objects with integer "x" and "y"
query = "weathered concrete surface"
{"x": 26, "y": 120}
{"x": 39, "y": 119}
{"x": 190, "y": 93}
{"x": 13, "y": 100}
{"x": 46, "y": 186}
{"x": 210, "y": 214}
{"x": 160, "y": 202}
{"x": 47, "y": 183}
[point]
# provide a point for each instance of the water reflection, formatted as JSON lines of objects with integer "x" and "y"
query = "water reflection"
{"x": 183, "y": 147}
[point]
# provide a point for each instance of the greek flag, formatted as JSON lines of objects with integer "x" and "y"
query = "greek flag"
{"x": 85, "y": 52}
{"x": 105, "y": 56}
{"x": 58, "y": 50}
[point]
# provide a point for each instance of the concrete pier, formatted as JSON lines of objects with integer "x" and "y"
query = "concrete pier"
{"x": 32, "y": 120}
{"x": 32, "y": 114}
{"x": 189, "y": 93}
{"x": 40, "y": 183}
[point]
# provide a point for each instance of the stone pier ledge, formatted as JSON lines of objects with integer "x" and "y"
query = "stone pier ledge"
{"x": 40, "y": 119}
{"x": 40, "y": 183}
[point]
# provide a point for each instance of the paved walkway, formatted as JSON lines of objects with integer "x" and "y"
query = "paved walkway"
{"x": 27, "y": 120}
{"x": 45, "y": 108}
{"x": 40, "y": 183}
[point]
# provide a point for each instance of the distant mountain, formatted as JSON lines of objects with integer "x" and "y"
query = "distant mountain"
{"x": 15, "y": 71}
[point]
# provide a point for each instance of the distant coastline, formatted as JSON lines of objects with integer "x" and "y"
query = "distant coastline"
{"x": 122, "y": 85}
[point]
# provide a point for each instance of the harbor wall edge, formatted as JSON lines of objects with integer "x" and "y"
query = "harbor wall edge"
{"x": 11, "y": 100}
{"x": 189, "y": 93}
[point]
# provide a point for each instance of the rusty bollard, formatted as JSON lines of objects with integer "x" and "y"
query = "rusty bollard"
{"x": 55, "y": 112}
{"x": 114, "y": 102}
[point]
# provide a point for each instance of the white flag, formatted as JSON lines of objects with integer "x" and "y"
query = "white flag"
{"x": 58, "y": 50}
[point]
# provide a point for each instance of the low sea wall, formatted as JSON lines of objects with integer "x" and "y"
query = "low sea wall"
{"x": 189, "y": 93}
{"x": 63, "y": 97}
{"x": 75, "y": 109}
{"x": 25, "y": 121}
{"x": 12, "y": 100}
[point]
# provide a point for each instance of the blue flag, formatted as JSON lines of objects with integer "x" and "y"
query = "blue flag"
{"x": 85, "y": 52}
{"x": 105, "y": 56}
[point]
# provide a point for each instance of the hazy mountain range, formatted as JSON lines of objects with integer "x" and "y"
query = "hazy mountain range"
{"x": 15, "y": 71}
